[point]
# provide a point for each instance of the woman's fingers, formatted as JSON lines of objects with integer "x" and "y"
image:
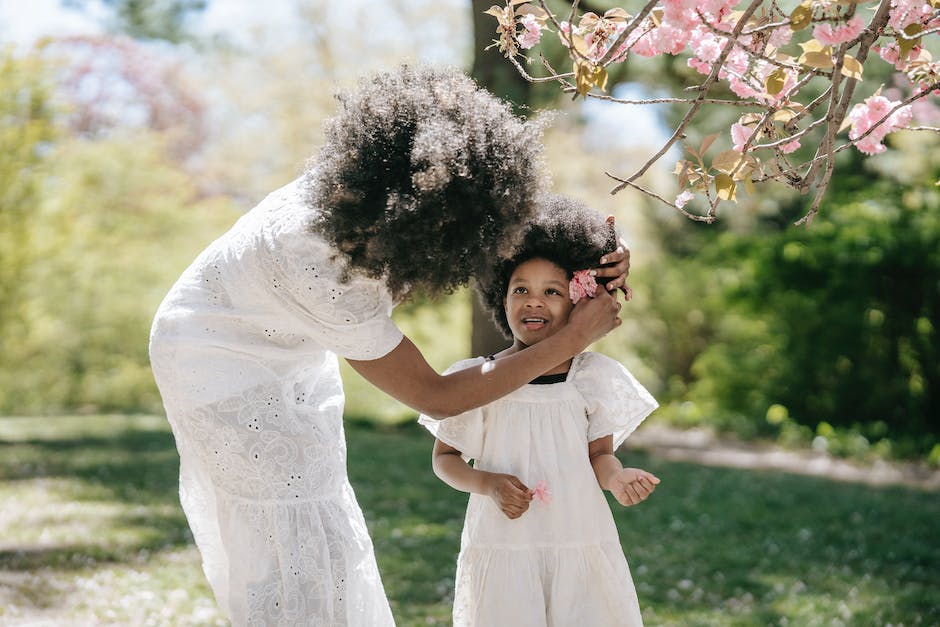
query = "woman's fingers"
{"x": 596, "y": 316}
{"x": 620, "y": 257}
{"x": 617, "y": 262}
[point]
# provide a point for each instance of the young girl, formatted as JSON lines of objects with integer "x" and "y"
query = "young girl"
{"x": 539, "y": 546}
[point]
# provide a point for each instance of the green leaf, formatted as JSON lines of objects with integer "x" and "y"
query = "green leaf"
{"x": 818, "y": 60}
{"x": 725, "y": 187}
{"x": 905, "y": 43}
{"x": 851, "y": 67}
{"x": 775, "y": 81}
{"x": 801, "y": 17}
{"x": 728, "y": 161}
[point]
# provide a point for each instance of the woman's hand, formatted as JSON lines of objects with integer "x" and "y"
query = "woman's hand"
{"x": 593, "y": 318}
{"x": 621, "y": 258}
{"x": 632, "y": 485}
{"x": 510, "y": 494}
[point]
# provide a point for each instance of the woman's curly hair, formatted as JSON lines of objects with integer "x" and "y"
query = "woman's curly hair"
{"x": 566, "y": 232}
{"x": 424, "y": 179}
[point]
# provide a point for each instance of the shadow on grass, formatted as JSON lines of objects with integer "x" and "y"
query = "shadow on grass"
{"x": 118, "y": 494}
{"x": 132, "y": 466}
{"x": 712, "y": 546}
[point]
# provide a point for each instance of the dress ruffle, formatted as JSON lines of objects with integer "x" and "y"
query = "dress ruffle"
{"x": 587, "y": 585}
{"x": 616, "y": 402}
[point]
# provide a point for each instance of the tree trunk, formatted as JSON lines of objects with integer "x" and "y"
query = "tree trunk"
{"x": 496, "y": 74}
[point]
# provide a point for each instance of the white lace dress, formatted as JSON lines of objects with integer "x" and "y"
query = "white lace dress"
{"x": 244, "y": 350}
{"x": 560, "y": 564}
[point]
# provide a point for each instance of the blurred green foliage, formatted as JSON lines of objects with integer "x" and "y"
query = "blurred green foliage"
{"x": 826, "y": 332}
{"x": 26, "y": 128}
{"x": 825, "y": 335}
{"x": 101, "y": 229}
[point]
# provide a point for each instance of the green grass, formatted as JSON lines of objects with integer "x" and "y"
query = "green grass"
{"x": 91, "y": 533}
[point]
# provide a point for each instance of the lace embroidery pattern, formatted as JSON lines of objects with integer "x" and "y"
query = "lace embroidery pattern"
{"x": 244, "y": 349}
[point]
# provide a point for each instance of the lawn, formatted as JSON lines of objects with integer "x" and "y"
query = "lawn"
{"x": 91, "y": 533}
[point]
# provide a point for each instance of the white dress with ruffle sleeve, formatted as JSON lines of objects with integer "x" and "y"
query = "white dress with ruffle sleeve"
{"x": 244, "y": 350}
{"x": 561, "y": 562}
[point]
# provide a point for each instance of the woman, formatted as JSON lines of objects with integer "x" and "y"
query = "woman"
{"x": 423, "y": 180}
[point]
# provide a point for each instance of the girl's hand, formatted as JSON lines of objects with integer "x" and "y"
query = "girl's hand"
{"x": 621, "y": 257}
{"x": 510, "y": 494}
{"x": 593, "y": 318}
{"x": 632, "y": 485}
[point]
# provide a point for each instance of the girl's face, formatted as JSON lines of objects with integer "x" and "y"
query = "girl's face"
{"x": 537, "y": 302}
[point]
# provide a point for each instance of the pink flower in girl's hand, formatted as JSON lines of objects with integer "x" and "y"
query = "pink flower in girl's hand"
{"x": 582, "y": 284}
{"x": 542, "y": 493}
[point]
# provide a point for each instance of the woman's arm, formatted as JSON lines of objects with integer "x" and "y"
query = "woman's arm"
{"x": 510, "y": 494}
{"x": 628, "y": 485}
{"x": 405, "y": 375}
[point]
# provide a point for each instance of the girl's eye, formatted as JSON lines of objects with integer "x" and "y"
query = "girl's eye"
{"x": 519, "y": 290}
{"x": 552, "y": 291}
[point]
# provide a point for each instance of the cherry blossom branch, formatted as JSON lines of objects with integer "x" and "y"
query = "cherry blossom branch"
{"x": 731, "y": 45}
{"x": 632, "y": 26}
{"x": 703, "y": 89}
{"x": 692, "y": 216}
{"x": 645, "y": 101}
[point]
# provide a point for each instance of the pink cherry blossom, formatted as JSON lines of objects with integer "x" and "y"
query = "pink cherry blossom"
{"x": 705, "y": 45}
{"x": 645, "y": 46}
{"x": 670, "y": 39}
{"x": 865, "y": 115}
{"x": 682, "y": 199}
{"x": 742, "y": 88}
{"x": 582, "y": 284}
{"x": 790, "y": 146}
{"x": 906, "y": 12}
{"x": 680, "y": 14}
{"x": 829, "y": 36}
{"x": 780, "y": 36}
{"x": 740, "y": 135}
{"x": 891, "y": 53}
{"x": 699, "y": 66}
{"x": 717, "y": 8}
{"x": 542, "y": 493}
{"x": 531, "y": 33}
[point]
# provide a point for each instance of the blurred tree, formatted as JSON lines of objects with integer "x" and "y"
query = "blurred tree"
{"x": 835, "y": 324}
{"x": 95, "y": 222}
{"x": 26, "y": 130}
{"x": 492, "y": 72}
{"x": 112, "y": 84}
{"x": 117, "y": 224}
{"x": 147, "y": 19}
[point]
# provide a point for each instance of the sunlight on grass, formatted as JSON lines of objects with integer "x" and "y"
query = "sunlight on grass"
{"x": 92, "y": 533}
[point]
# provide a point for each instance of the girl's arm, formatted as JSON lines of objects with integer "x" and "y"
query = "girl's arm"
{"x": 405, "y": 375}
{"x": 628, "y": 485}
{"x": 510, "y": 494}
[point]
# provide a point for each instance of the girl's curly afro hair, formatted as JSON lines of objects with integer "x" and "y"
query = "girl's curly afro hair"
{"x": 565, "y": 232}
{"x": 424, "y": 179}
